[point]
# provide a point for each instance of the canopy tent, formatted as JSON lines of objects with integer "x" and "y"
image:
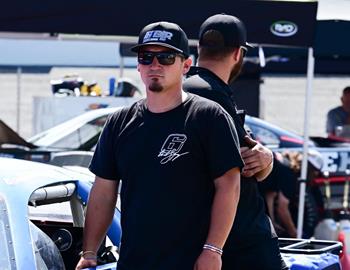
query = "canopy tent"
{"x": 281, "y": 23}
{"x": 331, "y": 51}
{"x": 119, "y": 18}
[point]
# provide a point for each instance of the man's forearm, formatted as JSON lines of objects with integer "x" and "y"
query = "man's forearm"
{"x": 224, "y": 207}
{"x": 285, "y": 216}
{"x": 99, "y": 216}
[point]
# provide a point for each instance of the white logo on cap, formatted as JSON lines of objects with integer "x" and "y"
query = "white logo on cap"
{"x": 157, "y": 35}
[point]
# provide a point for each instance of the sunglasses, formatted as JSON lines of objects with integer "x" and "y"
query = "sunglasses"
{"x": 163, "y": 58}
{"x": 244, "y": 51}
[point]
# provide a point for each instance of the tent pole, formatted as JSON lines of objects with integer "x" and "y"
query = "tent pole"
{"x": 121, "y": 67}
{"x": 303, "y": 175}
{"x": 19, "y": 73}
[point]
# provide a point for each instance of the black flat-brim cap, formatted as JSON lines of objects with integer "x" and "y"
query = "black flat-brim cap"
{"x": 164, "y": 34}
{"x": 230, "y": 27}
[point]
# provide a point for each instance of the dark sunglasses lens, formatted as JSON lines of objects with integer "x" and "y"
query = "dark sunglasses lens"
{"x": 145, "y": 58}
{"x": 164, "y": 58}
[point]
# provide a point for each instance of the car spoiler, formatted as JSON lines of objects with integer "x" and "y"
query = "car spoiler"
{"x": 9, "y": 136}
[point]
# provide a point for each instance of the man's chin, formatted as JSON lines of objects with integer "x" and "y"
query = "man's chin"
{"x": 155, "y": 87}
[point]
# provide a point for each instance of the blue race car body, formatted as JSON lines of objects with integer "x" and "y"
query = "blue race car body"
{"x": 42, "y": 215}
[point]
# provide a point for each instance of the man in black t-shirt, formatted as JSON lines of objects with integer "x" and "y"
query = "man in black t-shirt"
{"x": 252, "y": 243}
{"x": 178, "y": 157}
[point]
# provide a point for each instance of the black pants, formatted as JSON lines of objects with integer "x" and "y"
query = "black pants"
{"x": 263, "y": 256}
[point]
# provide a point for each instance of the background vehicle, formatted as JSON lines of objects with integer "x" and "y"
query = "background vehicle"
{"x": 273, "y": 136}
{"x": 78, "y": 134}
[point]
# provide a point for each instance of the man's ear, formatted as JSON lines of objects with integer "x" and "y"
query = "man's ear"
{"x": 237, "y": 54}
{"x": 138, "y": 67}
{"x": 187, "y": 65}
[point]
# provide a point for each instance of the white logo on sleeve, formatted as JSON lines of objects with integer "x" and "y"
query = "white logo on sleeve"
{"x": 171, "y": 148}
{"x": 157, "y": 35}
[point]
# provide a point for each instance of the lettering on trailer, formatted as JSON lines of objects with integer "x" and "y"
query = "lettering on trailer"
{"x": 335, "y": 161}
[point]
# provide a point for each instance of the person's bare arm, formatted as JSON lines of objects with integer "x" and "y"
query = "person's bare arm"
{"x": 257, "y": 158}
{"x": 99, "y": 215}
{"x": 285, "y": 215}
{"x": 227, "y": 192}
{"x": 270, "y": 199}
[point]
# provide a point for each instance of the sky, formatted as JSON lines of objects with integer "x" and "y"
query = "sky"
{"x": 333, "y": 9}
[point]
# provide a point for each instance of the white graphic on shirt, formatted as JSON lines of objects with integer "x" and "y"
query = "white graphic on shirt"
{"x": 157, "y": 35}
{"x": 171, "y": 148}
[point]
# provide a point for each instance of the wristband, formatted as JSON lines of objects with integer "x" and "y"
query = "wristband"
{"x": 93, "y": 255}
{"x": 213, "y": 248}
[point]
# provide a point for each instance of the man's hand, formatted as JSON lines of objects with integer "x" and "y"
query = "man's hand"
{"x": 85, "y": 263}
{"x": 208, "y": 260}
{"x": 257, "y": 159}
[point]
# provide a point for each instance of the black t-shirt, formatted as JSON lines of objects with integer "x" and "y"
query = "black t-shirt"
{"x": 167, "y": 163}
{"x": 251, "y": 224}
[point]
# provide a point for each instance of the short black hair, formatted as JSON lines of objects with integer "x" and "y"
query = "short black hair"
{"x": 346, "y": 90}
{"x": 213, "y": 46}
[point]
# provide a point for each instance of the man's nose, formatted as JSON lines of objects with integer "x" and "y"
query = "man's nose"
{"x": 155, "y": 63}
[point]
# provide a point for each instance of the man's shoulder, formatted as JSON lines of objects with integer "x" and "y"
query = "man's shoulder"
{"x": 205, "y": 83}
{"x": 200, "y": 78}
{"x": 137, "y": 105}
{"x": 202, "y": 104}
{"x": 195, "y": 83}
{"x": 126, "y": 112}
{"x": 335, "y": 111}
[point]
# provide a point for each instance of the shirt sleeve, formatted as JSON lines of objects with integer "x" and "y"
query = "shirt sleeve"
{"x": 103, "y": 163}
{"x": 222, "y": 145}
{"x": 330, "y": 126}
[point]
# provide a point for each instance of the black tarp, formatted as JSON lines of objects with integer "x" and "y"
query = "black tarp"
{"x": 125, "y": 18}
{"x": 332, "y": 39}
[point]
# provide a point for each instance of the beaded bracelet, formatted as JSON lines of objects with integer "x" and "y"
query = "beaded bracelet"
{"x": 213, "y": 248}
{"x": 93, "y": 257}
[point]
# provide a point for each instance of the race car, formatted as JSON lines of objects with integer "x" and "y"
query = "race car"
{"x": 69, "y": 143}
{"x": 42, "y": 217}
{"x": 273, "y": 136}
